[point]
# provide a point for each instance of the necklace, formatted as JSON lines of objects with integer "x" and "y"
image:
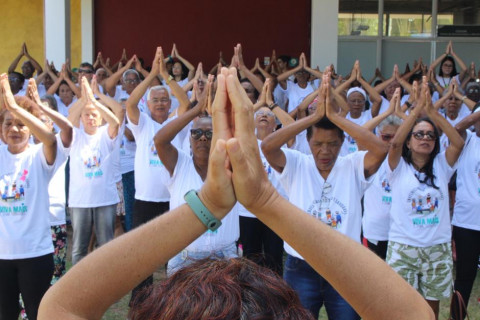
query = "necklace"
{"x": 445, "y": 85}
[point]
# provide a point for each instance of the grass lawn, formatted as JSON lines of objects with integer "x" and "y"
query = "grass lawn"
{"x": 120, "y": 309}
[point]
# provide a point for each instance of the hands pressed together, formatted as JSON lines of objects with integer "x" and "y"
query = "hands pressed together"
{"x": 235, "y": 170}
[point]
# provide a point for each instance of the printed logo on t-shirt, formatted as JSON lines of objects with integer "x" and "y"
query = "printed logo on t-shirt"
{"x": 352, "y": 144}
{"x": 154, "y": 160}
{"x": 122, "y": 147}
{"x": 386, "y": 188}
{"x": 267, "y": 167}
{"x": 329, "y": 209}
{"x": 12, "y": 190}
{"x": 92, "y": 161}
{"x": 477, "y": 174}
{"x": 424, "y": 205}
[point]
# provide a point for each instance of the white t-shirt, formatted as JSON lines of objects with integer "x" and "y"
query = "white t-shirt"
{"x": 148, "y": 182}
{"x": 295, "y": 94}
{"x": 127, "y": 154}
{"x": 301, "y": 143}
{"x": 92, "y": 172}
{"x": 56, "y": 187}
{"x": 445, "y": 82}
{"x": 186, "y": 178}
{"x": 349, "y": 144}
{"x": 62, "y": 108}
{"x": 467, "y": 203}
{"x": 377, "y": 201}
{"x": 121, "y": 94}
{"x": 386, "y": 103}
{"x": 333, "y": 201}
{"x": 419, "y": 213}
{"x": 24, "y": 215}
{"x": 242, "y": 211}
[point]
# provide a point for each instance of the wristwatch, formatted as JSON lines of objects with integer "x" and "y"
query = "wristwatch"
{"x": 202, "y": 213}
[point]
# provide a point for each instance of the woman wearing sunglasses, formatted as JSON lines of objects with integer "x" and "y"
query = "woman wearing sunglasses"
{"x": 182, "y": 173}
{"x": 419, "y": 238}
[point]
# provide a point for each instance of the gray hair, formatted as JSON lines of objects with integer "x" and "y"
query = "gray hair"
{"x": 157, "y": 88}
{"x": 130, "y": 71}
{"x": 391, "y": 120}
{"x": 52, "y": 102}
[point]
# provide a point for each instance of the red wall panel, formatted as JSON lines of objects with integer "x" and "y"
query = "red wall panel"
{"x": 201, "y": 29}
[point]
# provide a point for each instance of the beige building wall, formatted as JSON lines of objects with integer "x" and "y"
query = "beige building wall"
{"x": 22, "y": 21}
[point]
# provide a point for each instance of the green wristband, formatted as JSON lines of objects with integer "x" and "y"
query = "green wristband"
{"x": 205, "y": 216}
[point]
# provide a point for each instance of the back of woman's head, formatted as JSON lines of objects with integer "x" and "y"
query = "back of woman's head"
{"x": 221, "y": 289}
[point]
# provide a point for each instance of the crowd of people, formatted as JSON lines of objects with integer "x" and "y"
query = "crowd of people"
{"x": 273, "y": 161}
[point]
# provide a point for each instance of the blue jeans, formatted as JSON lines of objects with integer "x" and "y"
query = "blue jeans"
{"x": 314, "y": 291}
{"x": 102, "y": 218}
{"x": 128, "y": 180}
{"x": 185, "y": 257}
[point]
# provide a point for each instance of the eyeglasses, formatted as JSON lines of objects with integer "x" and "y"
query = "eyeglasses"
{"x": 130, "y": 81}
{"x": 357, "y": 101}
{"x": 85, "y": 71}
{"x": 386, "y": 137}
{"x": 265, "y": 113}
{"x": 448, "y": 65}
{"x": 198, "y": 133}
{"x": 429, "y": 135}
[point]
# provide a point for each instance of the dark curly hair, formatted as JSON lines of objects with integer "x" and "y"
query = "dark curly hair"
{"x": 221, "y": 289}
{"x": 429, "y": 179}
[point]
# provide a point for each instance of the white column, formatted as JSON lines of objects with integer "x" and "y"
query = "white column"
{"x": 87, "y": 31}
{"x": 433, "y": 46}
{"x": 324, "y": 41}
{"x": 380, "y": 35}
{"x": 57, "y": 30}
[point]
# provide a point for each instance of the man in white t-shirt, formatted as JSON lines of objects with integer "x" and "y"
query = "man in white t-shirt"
{"x": 151, "y": 195}
{"x": 326, "y": 186}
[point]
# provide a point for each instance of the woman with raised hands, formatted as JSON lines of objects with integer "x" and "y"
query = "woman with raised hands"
{"x": 92, "y": 170}
{"x": 419, "y": 238}
{"x": 56, "y": 194}
{"x": 26, "y": 262}
{"x": 448, "y": 70}
{"x": 236, "y": 174}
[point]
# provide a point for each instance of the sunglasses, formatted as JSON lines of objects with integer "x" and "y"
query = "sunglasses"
{"x": 265, "y": 113}
{"x": 85, "y": 71}
{"x": 386, "y": 137}
{"x": 429, "y": 135}
{"x": 198, "y": 133}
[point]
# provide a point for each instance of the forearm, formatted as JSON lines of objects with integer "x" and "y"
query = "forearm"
{"x": 282, "y": 116}
{"x": 284, "y": 76}
{"x": 35, "y": 64}
{"x": 380, "y": 87}
{"x": 75, "y": 89}
{"x": 14, "y": 63}
{"x": 369, "y": 285}
{"x": 66, "y": 127}
{"x": 254, "y": 80}
{"x": 129, "y": 258}
{"x": 181, "y": 96}
{"x": 277, "y": 139}
{"x": 54, "y": 87}
{"x": 454, "y": 137}
{"x": 111, "y": 82}
{"x": 361, "y": 135}
{"x": 132, "y": 102}
{"x": 75, "y": 111}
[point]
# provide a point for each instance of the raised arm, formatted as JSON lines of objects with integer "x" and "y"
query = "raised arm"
{"x": 396, "y": 144}
{"x": 376, "y": 148}
{"x": 107, "y": 115}
{"x": 282, "y": 78}
{"x": 76, "y": 90}
{"x": 460, "y": 62}
{"x": 371, "y": 124}
{"x": 254, "y": 80}
{"x": 167, "y": 152}
{"x": 66, "y": 127}
{"x": 132, "y": 103}
{"x": 456, "y": 144}
{"x": 111, "y": 82}
{"x": 382, "y": 86}
{"x": 36, "y": 127}
{"x": 271, "y": 145}
{"x": 190, "y": 67}
{"x": 34, "y": 62}
{"x": 15, "y": 61}
{"x": 116, "y": 107}
{"x": 375, "y": 97}
{"x": 467, "y": 122}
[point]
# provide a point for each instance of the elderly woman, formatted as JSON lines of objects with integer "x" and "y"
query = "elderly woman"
{"x": 26, "y": 262}
{"x": 92, "y": 171}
